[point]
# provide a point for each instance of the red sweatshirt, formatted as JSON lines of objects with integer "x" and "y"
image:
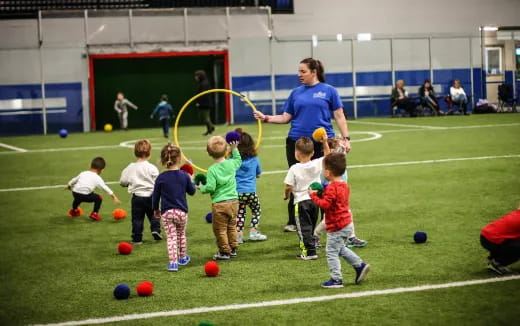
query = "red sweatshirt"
{"x": 335, "y": 203}
{"x": 506, "y": 227}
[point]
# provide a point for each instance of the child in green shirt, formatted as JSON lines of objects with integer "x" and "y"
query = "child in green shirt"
{"x": 221, "y": 185}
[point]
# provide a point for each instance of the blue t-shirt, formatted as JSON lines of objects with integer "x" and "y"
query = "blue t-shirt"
{"x": 170, "y": 188}
{"x": 246, "y": 175}
{"x": 312, "y": 107}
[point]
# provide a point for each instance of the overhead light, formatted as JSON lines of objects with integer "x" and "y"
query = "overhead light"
{"x": 364, "y": 36}
{"x": 339, "y": 37}
{"x": 489, "y": 28}
{"x": 315, "y": 40}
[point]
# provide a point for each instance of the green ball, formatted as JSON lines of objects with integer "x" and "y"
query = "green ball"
{"x": 206, "y": 323}
{"x": 317, "y": 186}
{"x": 200, "y": 179}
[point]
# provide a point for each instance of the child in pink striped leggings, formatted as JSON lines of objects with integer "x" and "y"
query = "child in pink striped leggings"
{"x": 170, "y": 189}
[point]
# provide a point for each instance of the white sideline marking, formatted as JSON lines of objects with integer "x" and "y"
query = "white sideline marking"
{"x": 349, "y": 167}
{"x": 14, "y": 148}
{"x": 263, "y": 304}
{"x": 394, "y": 124}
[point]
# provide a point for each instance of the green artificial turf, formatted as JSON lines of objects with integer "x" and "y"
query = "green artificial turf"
{"x": 54, "y": 268}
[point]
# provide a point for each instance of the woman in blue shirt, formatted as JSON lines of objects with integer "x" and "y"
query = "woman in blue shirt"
{"x": 309, "y": 106}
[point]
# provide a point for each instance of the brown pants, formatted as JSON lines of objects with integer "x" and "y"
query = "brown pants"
{"x": 225, "y": 225}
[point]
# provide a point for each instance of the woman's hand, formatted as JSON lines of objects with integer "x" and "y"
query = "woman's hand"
{"x": 345, "y": 143}
{"x": 259, "y": 115}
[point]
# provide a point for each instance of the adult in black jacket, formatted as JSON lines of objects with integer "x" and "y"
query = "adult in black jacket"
{"x": 428, "y": 98}
{"x": 205, "y": 102}
{"x": 401, "y": 100}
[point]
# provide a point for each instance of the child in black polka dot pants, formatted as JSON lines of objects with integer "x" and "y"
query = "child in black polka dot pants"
{"x": 246, "y": 177}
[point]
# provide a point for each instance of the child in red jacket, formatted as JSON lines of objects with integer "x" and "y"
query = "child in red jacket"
{"x": 338, "y": 221}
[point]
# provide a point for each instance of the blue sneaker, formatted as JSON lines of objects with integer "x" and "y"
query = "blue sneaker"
{"x": 332, "y": 284}
{"x": 173, "y": 267}
{"x": 361, "y": 272}
{"x": 184, "y": 260}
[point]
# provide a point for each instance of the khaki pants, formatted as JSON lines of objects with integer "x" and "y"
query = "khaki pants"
{"x": 225, "y": 225}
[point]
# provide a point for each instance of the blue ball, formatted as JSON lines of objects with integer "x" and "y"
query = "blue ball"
{"x": 209, "y": 217}
{"x": 232, "y": 136}
{"x": 122, "y": 291}
{"x": 420, "y": 237}
{"x": 63, "y": 133}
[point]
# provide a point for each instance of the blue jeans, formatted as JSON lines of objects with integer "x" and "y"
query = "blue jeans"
{"x": 165, "y": 122}
{"x": 336, "y": 248}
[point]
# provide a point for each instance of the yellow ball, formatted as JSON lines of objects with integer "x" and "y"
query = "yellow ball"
{"x": 318, "y": 134}
{"x": 108, "y": 127}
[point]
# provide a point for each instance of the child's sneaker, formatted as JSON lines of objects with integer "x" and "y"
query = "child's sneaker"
{"x": 332, "y": 284}
{"x": 257, "y": 236}
{"x": 233, "y": 253}
{"x": 240, "y": 237}
{"x": 355, "y": 243}
{"x": 317, "y": 242}
{"x": 173, "y": 267}
{"x": 498, "y": 268}
{"x": 290, "y": 228}
{"x": 95, "y": 216}
{"x": 137, "y": 243}
{"x": 184, "y": 260}
{"x": 361, "y": 272}
{"x": 220, "y": 256}
{"x": 74, "y": 212}
{"x": 157, "y": 235}
{"x": 305, "y": 257}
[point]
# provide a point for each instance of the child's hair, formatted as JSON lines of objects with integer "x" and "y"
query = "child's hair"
{"x": 246, "y": 146}
{"x": 305, "y": 146}
{"x": 336, "y": 163}
{"x": 170, "y": 155}
{"x": 98, "y": 163}
{"x": 335, "y": 145}
{"x": 216, "y": 147}
{"x": 142, "y": 148}
{"x": 164, "y": 98}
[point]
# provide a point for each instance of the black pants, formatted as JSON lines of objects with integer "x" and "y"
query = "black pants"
{"x": 90, "y": 198}
{"x": 204, "y": 116}
{"x": 505, "y": 253}
{"x": 165, "y": 122}
{"x": 408, "y": 105}
{"x": 306, "y": 218}
{"x": 142, "y": 206}
{"x": 291, "y": 160}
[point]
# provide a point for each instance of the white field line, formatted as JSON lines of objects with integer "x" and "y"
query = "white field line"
{"x": 14, "y": 148}
{"x": 393, "y": 124}
{"x": 349, "y": 167}
{"x": 264, "y": 304}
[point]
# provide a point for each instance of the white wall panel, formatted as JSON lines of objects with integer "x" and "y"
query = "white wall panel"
{"x": 63, "y": 31}
{"x": 249, "y": 57}
{"x": 18, "y": 33}
{"x": 372, "y": 55}
{"x": 336, "y": 56}
{"x": 287, "y": 56}
{"x": 241, "y": 26}
{"x": 411, "y": 54}
{"x": 109, "y": 30}
{"x": 207, "y": 28}
{"x": 19, "y": 67}
{"x": 163, "y": 29}
{"x": 450, "y": 53}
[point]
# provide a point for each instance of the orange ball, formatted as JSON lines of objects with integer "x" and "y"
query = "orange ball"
{"x": 318, "y": 134}
{"x": 124, "y": 248}
{"x": 211, "y": 269}
{"x": 144, "y": 289}
{"x": 119, "y": 213}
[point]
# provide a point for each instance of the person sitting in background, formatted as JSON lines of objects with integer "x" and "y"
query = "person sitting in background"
{"x": 401, "y": 100}
{"x": 458, "y": 97}
{"x": 428, "y": 98}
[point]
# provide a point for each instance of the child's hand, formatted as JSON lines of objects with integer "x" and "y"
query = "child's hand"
{"x": 285, "y": 197}
{"x": 233, "y": 145}
{"x": 157, "y": 213}
{"x": 312, "y": 191}
{"x": 117, "y": 201}
{"x": 68, "y": 187}
{"x": 324, "y": 138}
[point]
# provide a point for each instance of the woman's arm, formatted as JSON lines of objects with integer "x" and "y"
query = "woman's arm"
{"x": 279, "y": 118}
{"x": 341, "y": 121}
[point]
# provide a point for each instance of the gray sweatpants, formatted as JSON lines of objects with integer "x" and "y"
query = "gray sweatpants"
{"x": 336, "y": 248}
{"x": 123, "y": 119}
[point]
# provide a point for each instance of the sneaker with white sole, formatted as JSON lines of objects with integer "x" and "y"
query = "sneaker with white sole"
{"x": 221, "y": 256}
{"x": 361, "y": 272}
{"x": 157, "y": 235}
{"x": 355, "y": 243}
{"x": 240, "y": 237}
{"x": 290, "y": 228}
{"x": 257, "y": 236}
{"x": 184, "y": 260}
{"x": 496, "y": 267}
{"x": 173, "y": 267}
{"x": 332, "y": 284}
{"x": 306, "y": 257}
{"x": 233, "y": 253}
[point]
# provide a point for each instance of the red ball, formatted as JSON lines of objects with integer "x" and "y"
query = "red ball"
{"x": 144, "y": 289}
{"x": 211, "y": 269}
{"x": 124, "y": 248}
{"x": 119, "y": 213}
{"x": 187, "y": 168}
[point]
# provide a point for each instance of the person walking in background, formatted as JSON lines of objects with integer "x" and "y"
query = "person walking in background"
{"x": 428, "y": 98}
{"x": 312, "y": 105}
{"x": 121, "y": 106}
{"x": 401, "y": 100}
{"x": 164, "y": 110}
{"x": 458, "y": 97}
{"x": 205, "y": 102}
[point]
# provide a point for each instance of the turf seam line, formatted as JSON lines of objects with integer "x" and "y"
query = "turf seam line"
{"x": 14, "y": 148}
{"x": 262, "y": 304}
{"x": 285, "y": 171}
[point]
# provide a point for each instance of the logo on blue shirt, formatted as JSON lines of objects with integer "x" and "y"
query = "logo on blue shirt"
{"x": 319, "y": 95}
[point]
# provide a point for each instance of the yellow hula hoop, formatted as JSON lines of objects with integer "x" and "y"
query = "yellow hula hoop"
{"x": 216, "y": 90}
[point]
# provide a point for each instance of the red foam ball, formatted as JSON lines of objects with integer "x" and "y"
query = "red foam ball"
{"x": 187, "y": 168}
{"x": 211, "y": 269}
{"x": 144, "y": 289}
{"x": 124, "y": 248}
{"x": 119, "y": 213}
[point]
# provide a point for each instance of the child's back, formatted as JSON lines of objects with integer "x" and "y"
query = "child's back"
{"x": 301, "y": 176}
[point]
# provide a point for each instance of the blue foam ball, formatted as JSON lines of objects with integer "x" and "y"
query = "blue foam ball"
{"x": 209, "y": 217}
{"x": 122, "y": 291}
{"x": 63, "y": 133}
{"x": 420, "y": 237}
{"x": 232, "y": 136}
